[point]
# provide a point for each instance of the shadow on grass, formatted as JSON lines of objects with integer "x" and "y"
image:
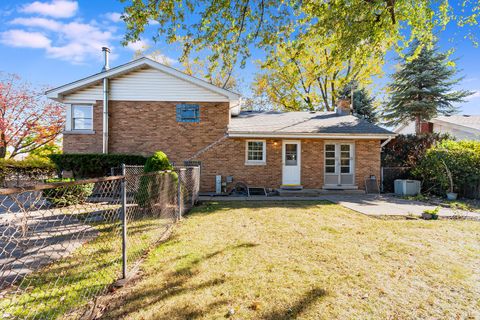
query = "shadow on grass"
{"x": 299, "y": 307}
{"x": 176, "y": 283}
{"x": 212, "y": 206}
{"x": 71, "y": 281}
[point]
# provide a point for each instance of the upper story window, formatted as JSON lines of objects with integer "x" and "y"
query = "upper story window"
{"x": 82, "y": 117}
{"x": 188, "y": 113}
{"x": 256, "y": 152}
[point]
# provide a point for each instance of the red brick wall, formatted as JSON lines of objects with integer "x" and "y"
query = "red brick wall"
{"x": 144, "y": 127}
{"x": 139, "y": 127}
{"x": 367, "y": 160}
{"x": 228, "y": 159}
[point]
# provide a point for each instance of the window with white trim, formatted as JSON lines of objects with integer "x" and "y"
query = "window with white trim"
{"x": 256, "y": 152}
{"x": 82, "y": 117}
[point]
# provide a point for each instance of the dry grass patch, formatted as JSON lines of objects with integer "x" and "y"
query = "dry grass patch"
{"x": 307, "y": 261}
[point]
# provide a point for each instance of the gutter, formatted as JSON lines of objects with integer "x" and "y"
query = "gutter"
{"x": 106, "y": 51}
{"x": 308, "y": 135}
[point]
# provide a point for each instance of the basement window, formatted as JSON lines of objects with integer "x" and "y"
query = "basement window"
{"x": 188, "y": 113}
{"x": 255, "y": 152}
{"x": 82, "y": 117}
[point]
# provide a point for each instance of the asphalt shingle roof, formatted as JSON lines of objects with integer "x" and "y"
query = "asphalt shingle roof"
{"x": 302, "y": 122}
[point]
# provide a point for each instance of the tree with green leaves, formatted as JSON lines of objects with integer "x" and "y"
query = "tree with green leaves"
{"x": 423, "y": 88}
{"x": 363, "y": 104}
{"x": 306, "y": 74}
{"x": 225, "y": 31}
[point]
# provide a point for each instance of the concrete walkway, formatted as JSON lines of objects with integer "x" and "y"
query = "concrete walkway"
{"x": 383, "y": 205}
{"x": 373, "y": 205}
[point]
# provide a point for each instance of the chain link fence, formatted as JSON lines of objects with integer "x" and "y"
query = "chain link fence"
{"x": 62, "y": 244}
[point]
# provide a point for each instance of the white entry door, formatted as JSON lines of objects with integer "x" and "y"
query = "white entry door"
{"x": 291, "y": 158}
{"x": 339, "y": 165}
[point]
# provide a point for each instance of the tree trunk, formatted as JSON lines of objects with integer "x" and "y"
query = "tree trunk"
{"x": 3, "y": 146}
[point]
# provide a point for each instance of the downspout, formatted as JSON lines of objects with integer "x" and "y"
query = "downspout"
{"x": 106, "y": 51}
{"x": 386, "y": 142}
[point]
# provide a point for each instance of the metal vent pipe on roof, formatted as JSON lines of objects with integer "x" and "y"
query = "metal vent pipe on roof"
{"x": 106, "y": 51}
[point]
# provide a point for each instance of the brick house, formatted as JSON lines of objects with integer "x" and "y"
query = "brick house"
{"x": 144, "y": 106}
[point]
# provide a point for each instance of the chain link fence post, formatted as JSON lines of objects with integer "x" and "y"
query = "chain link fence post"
{"x": 197, "y": 184}
{"x": 124, "y": 223}
{"x": 181, "y": 178}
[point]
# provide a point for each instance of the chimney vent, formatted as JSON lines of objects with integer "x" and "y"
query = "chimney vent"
{"x": 343, "y": 107}
{"x": 106, "y": 51}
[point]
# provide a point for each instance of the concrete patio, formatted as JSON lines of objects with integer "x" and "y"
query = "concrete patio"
{"x": 369, "y": 204}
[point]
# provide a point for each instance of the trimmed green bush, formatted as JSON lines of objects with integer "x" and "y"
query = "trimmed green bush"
{"x": 32, "y": 168}
{"x": 157, "y": 162}
{"x": 152, "y": 187}
{"x": 93, "y": 165}
{"x": 68, "y": 195}
{"x": 462, "y": 159}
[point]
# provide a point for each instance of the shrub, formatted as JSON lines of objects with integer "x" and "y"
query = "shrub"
{"x": 67, "y": 195}
{"x": 408, "y": 150}
{"x": 93, "y": 165}
{"x": 152, "y": 187}
{"x": 462, "y": 159}
{"x": 30, "y": 168}
{"x": 157, "y": 162}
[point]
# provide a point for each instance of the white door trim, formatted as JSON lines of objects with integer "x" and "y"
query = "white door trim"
{"x": 338, "y": 172}
{"x": 289, "y": 171}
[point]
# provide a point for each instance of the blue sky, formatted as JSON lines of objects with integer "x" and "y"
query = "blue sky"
{"x": 52, "y": 42}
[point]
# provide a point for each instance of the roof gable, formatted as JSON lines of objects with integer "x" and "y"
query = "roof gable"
{"x": 143, "y": 79}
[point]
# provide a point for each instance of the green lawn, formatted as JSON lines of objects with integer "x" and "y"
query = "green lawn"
{"x": 307, "y": 261}
{"x": 71, "y": 282}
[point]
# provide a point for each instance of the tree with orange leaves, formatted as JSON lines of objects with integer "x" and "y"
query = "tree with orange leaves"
{"x": 28, "y": 120}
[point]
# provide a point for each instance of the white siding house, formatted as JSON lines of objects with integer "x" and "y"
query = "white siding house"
{"x": 462, "y": 127}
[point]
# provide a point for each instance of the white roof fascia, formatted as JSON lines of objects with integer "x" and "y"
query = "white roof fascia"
{"x": 57, "y": 93}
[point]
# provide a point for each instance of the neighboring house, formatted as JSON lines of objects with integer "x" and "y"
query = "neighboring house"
{"x": 462, "y": 127}
{"x": 153, "y": 107}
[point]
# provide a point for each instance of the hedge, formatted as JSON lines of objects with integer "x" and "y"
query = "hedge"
{"x": 157, "y": 188}
{"x": 462, "y": 158}
{"x": 93, "y": 165}
{"x": 407, "y": 150}
{"x": 29, "y": 168}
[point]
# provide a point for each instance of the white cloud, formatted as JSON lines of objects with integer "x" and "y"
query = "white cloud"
{"x": 143, "y": 46}
{"x": 114, "y": 16}
{"x": 55, "y": 8}
{"x": 24, "y": 39}
{"x": 44, "y": 23}
{"x": 162, "y": 58}
{"x": 73, "y": 41}
{"x": 475, "y": 95}
{"x": 152, "y": 22}
{"x": 140, "y": 45}
{"x": 470, "y": 80}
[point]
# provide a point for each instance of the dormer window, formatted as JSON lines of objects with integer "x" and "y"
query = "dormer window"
{"x": 188, "y": 113}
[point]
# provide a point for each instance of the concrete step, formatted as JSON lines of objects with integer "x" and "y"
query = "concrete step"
{"x": 315, "y": 192}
